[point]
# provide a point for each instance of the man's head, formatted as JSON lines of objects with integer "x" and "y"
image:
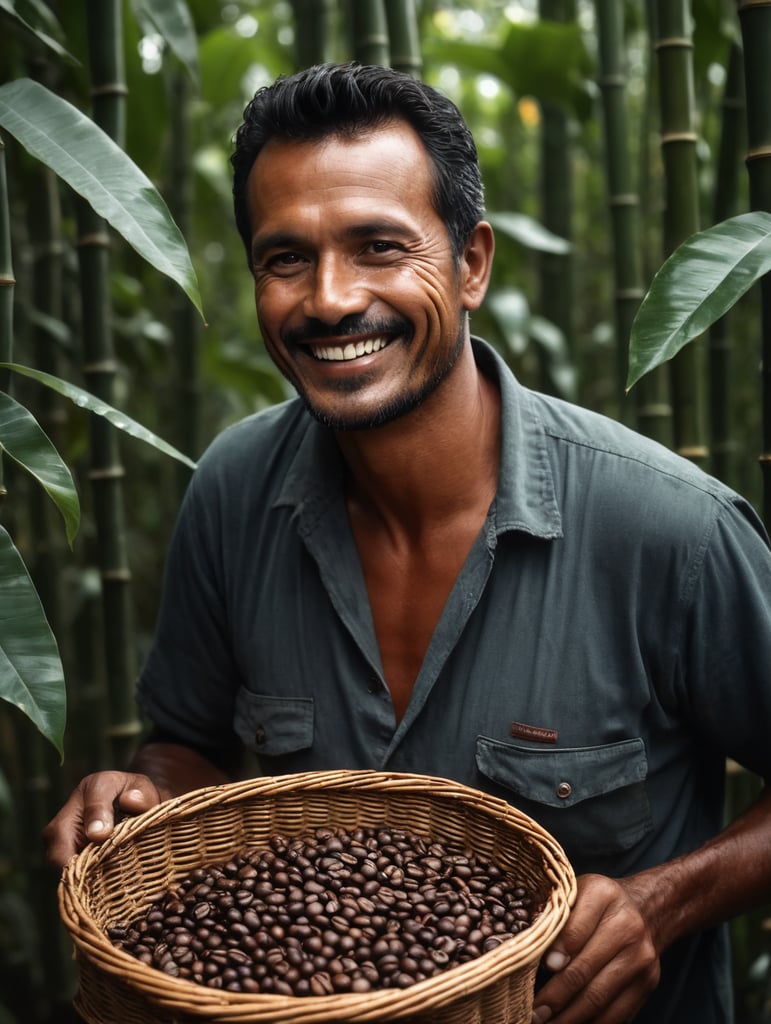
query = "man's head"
{"x": 347, "y": 100}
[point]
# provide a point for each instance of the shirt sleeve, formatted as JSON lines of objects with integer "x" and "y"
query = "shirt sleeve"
{"x": 725, "y": 669}
{"x": 188, "y": 685}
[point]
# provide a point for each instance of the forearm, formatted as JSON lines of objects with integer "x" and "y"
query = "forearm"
{"x": 176, "y": 769}
{"x": 727, "y": 876}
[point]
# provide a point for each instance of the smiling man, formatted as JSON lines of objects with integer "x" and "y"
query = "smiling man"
{"x": 420, "y": 565}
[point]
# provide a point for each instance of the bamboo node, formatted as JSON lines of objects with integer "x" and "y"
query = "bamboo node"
{"x": 7, "y": 280}
{"x": 630, "y": 293}
{"x": 675, "y": 43}
{"x": 766, "y": 457}
{"x": 655, "y": 409}
{"x": 124, "y": 729}
{"x": 115, "y": 575}
{"x": 747, "y": 5}
{"x": 624, "y": 199}
{"x": 107, "y": 473}
{"x": 94, "y": 238}
{"x": 668, "y": 137}
{"x": 110, "y": 89}
{"x": 762, "y": 152}
{"x": 102, "y": 366}
{"x": 693, "y": 451}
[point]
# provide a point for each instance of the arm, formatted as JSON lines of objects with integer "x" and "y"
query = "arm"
{"x": 606, "y": 959}
{"x": 159, "y": 771}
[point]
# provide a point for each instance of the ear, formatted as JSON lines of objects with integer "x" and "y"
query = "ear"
{"x": 476, "y": 266}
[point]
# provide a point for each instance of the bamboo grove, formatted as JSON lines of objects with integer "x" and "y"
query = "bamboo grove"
{"x": 622, "y": 143}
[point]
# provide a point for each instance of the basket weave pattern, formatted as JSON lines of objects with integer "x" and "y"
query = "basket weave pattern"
{"x": 116, "y": 880}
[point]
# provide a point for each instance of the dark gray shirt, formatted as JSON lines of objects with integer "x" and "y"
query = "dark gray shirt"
{"x": 603, "y": 651}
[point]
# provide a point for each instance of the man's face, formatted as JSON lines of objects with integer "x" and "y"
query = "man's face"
{"x": 359, "y": 299}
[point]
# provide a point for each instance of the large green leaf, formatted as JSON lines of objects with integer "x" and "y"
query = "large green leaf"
{"x": 73, "y": 146}
{"x": 703, "y": 278}
{"x": 31, "y": 673}
{"x": 43, "y": 14}
{"x": 85, "y": 400}
{"x": 172, "y": 20}
{"x": 22, "y": 438}
{"x": 528, "y": 232}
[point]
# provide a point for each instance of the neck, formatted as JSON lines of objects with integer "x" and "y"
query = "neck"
{"x": 436, "y": 463}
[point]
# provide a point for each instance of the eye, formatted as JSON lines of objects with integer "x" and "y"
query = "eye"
{"x": 381, "y": 247}
{"x": 284, "y": 262}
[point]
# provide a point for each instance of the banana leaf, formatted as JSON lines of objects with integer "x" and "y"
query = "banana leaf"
{"x": 23, "y": 439}
{"x": 85, "y": 400}
{"x": 704, "y": 277}
{"x": 31, "y": 673}
{"x": 84, "y": 156}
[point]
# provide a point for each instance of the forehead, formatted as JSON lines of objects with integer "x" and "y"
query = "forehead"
{"x": 386, "y": 167}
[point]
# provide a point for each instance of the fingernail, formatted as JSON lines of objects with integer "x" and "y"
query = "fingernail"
{"x": 95, "y": 828}
{"x": 555, "y": 960}
{"x": 541, "y": 1014}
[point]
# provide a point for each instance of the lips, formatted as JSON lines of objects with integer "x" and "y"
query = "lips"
{"x": 351, "y": 350}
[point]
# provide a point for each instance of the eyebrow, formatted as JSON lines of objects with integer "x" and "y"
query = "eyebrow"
{"x": 367, "y": 229}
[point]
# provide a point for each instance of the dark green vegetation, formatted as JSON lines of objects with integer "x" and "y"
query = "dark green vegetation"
{"x": 612, "y": 133}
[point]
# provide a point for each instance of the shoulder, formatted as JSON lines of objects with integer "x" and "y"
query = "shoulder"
{"x": 633, "y": 478}
{"x": 257, "y": 445}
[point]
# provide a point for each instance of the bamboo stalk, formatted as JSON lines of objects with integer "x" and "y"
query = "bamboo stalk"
{"x": 623, "y": 200}
{"x": 370, "y": 32}
{"x": 314, "y": 35}
{"x": 404, "y": 37}
{"x": 732, "y": 143}
{"x": 7, "y": 285}
{"x": 755, "y": 21}
{"x": 105, "y": 41}
{"x": 674, "y": 51}
{"x": 187, "y": 429}
{"x": 556, "y": 181}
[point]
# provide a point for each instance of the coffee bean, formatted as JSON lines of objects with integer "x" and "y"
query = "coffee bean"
{"x": 329, "y": 912}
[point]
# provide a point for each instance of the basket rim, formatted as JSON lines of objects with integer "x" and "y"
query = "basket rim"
{"x": 196, "y": 1000}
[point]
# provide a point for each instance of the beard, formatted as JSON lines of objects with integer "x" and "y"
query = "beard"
{"x": 400, "y": 405}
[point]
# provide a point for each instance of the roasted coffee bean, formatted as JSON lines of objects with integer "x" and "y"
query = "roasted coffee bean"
{"x": 329, "y": 912}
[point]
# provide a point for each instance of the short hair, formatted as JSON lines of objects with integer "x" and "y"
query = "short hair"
{"x": 346, "y": 99}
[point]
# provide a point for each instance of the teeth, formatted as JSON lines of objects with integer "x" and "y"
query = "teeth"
{"x": 344, "y": 353}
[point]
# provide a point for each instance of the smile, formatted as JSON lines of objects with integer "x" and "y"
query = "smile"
{"x": 353, "y": 350}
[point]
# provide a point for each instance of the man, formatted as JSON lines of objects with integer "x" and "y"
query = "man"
{"x": 422, "y": 566}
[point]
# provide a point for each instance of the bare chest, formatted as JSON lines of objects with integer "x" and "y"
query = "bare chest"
{"x": 407, "y": 591}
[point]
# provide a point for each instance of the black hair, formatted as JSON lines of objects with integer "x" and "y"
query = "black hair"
{"x": 347, "y": 99}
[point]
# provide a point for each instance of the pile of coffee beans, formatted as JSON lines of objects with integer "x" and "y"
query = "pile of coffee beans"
{"x": 335, "y": 911}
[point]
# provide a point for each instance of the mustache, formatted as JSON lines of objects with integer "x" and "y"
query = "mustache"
{"x": 316, "y": 330}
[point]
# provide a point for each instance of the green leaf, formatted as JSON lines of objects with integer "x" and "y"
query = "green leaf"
{"x": 703, "y": 278}
{"x": 85, "y": 400}
{"x": 31, "y": 673}
{"x": 528, "y": 232}
{"x": 25, "y": 442}
{"x": 68, "y": 142}
{"x": 172, "y": 20}
{"x": 9, "y": 7}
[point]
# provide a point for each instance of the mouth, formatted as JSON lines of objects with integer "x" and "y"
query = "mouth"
{"x": 350, "y": 350}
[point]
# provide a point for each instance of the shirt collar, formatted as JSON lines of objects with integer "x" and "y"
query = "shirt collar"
{"x": 525, "y": 500}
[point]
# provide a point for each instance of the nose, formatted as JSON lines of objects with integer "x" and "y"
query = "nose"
{"x": 336, "y": 290}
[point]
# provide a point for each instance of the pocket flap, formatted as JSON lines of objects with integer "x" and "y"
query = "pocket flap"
{"x": 274, "y": 725}
{"x": 562, "y": 778}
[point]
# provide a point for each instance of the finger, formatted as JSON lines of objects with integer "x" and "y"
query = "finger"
{"x": 109, "y": 796}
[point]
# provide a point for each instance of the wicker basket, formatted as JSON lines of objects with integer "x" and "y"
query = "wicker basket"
{"x": 114, "y": 881}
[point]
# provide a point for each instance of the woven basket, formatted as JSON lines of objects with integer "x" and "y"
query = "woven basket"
{"x": 114, "y": 882}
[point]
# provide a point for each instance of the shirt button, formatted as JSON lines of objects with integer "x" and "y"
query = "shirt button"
{"x": 564, "y": 790}
{"x": 259, "y": 734}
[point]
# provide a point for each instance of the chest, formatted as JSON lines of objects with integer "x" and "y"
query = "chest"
{"x": 408, "y": 587}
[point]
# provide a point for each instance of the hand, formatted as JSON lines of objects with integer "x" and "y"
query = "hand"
{"x": 90, "y": 813}
{"x": 605, "y": 960}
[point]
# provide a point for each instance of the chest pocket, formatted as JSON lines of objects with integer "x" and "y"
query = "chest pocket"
{"x": 592, "y": 799}
{"x": 273, "y": 726}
